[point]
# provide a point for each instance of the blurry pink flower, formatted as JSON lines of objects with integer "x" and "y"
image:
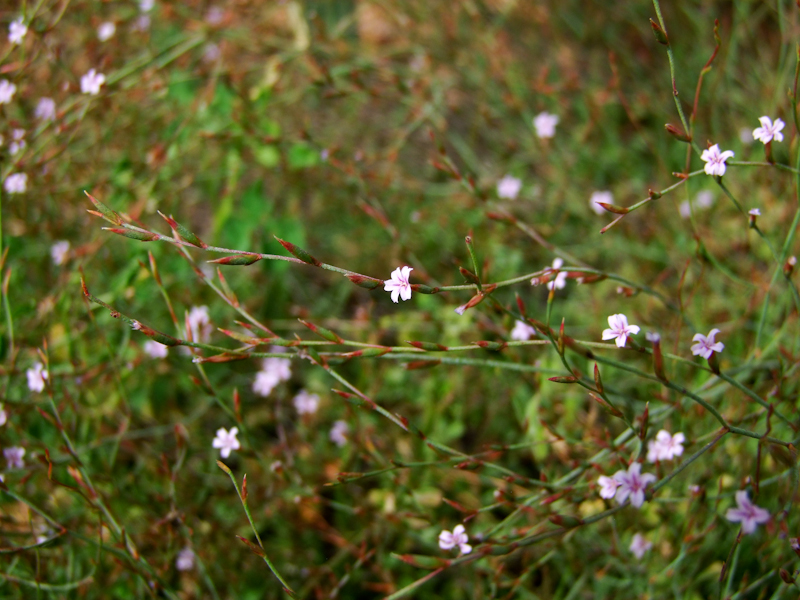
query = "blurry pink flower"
{"x": 7, "y": 91}
{"x": 3, "y": 415}
{"x": 14, "y": 457}
{"x": 560, "y": 281}
{"x": 91, "y": 82}
{"x": 226, "y": 441}
{"x": 632, "y": 483}
{"x": 199, "y": 323}
{"x": 608, "y": 486}
{"x": 706, "y": 346}
{"x": 338, "y": 433}
{"x": 545, "y": 124}
{"x": 59, "y": 251}
{"x": 142, "y": 23}
{"x": 185, "y": 560}
{"x": 509, "y": 187}
{"x": 306, "y": 403}
{"x": 155, "y": 350}
{"x": 45, "y": 109}
{"x": 458, "y": 538}
{"x": 16, "y": 183}
{"x": 747, "y": 513}
{"x": 215, "y": 15}
{"x": 639, "y": 545}
{"x": 399, "y": 285}
{"x": 522, "y": 331}
{"x": 106, "y": 31}
{"x": 665, "y": 446}
{"x": 146, "y": 5}
{"x": 36, "y": 376}
{"x": 754, "y": 212}
{"x": 769, "y": 131}
{"x": 273, "y": 371}
{"x": 715, "y": 160}
{"x": 18, "y": 142}
{"x": 16, "y": 31}
{"x": 600, "y": 196}
{"x": 619, "y": 329}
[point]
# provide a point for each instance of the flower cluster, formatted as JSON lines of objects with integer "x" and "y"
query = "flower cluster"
{"x": 36, "y": 377}
{"x": 273, "y": 371}
{"x": 665, "y": 446}
{"x": 306, "y": 403}
{"x": 625, "y": 484}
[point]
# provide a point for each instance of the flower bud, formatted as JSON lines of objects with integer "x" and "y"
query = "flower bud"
{"x": 660, "y": 34}
{"x": 237, "y": 260}
{"x": 788, "y": 266}
{"x": 677, "y": 133}
{"x": 142, "y": 236}
{"x": 298, "y": 252}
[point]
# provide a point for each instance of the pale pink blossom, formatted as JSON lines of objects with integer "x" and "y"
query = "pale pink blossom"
{"x": 632, "y": 483}
{"x": 545, "y": 124}
{"x": 747, "y": 513}
{"x": 639, "y": 545}
{"x": 273, "y": 371}
{"x": 608, "y": 486}
{"x": 619, "y": 329}
{"x": 706, "y": 346}
{"x": 59, "y": 252}
{"x": 18, "y": 143}
{"x": 769, "y": 131}
{"x": 45, "y": 109}
{"x": 665, "y": 446}
{"x": 226, "y": 441}
{"x": 185, "y": 560}
{"x": 155, "y": 349}
{"x": 600, "y": 196}
{"x": 106, "y": 31}
{"x": 7, "y": 91}
{"x": 146, "y": 5}
{"x": 458, "y": 537}
{"x": 16, "y": 31}
{"x": 715, "y": 160}
{"x": 306, "y": 403}
{"x": 509, "y": 187}
{"x": 399, "y": 285}
{"x": 199, "y": 323}
{"x": 14, "y": 456}
{"x": 3, "y": 415}
{"x": 754, "y": 212}
{"x": 16, "y": 183}
{"x": 560, "y": 280}
{"x": 91, "y": 82}
{"x": 522, "y": 331}
{"x": 36, "y": 376}
{"x": 338, "y": 433}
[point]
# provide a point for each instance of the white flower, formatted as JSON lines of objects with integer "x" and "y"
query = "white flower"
{"x": 560, "y": 281}
{"x": 399, "y": 284}
{"x": 338, "y": 433}
{"x": 16, "y": 183}
{"x": 509, "y": 187}
{"x": 18, "y": 144}
{"x": 36, "y": 376}
{"x": 754, "y": 212}
{"x": 273, "y": 371}
{"x": 619, "y": 329}
{"x": 715, "y": 160}
{"x": 545, "y": 124}
{"x": 458, "y": 538}
{"x": 600, "y": 196}
{"x": 665, "y": 446}
{"x": 59, "y": 251}
{"x": 3, "y": 415}
{"x": 639, "y": 546}
{"x": 632, "y": 483}
{"x": 7, "y": 91}
{"x": 16, "y": 31}
{"x": 91, "y": 82}
{"x": 14, "y": 457}
{"x": 608, "y": 486}
{"x": 769, "y": 131}
{"x": 522, "y": 331}
{"x": 747, "y": 513}
{"x": 146, "y": 5}
{"x": 155, "y": 349}
{"x": 226, "y": 441}
{"x": 706, "y": 346}
{"x": 305, "y": 403}
{"x": 185, "y": 560}
{"x": 199, "y": 323}
{"x": 45, "y": 109}
{"x": 106, "y": 31}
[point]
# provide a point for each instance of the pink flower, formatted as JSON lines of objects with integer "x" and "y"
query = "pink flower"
{"x": 747, "y": 513}
{"x": 273, "y": 371}
{"x": 545, "y": 124}
{"x": 305, "y": 403}
{"x": 106, "y": 31}
{"x": 14, "y": 457}
{"x": 715, "y": 160}
{"x": 619, "y": 329}
{"x": 16, "y": 183}
{"x": 91, "y": 82}
{"x": 769, "y": 131}
{"x": 399, "y": 284}
{"x": 706, "y": 346}
{"x": 185, "y": 560}
{"x": 665, "y": 446}
{"x": 226, "y": 441}
{"x": 608, "y": 486}
{"x": 45, "y": 109}
{"x": 602, "y": 196}
{"x": 7, "y": 91}
{"x": 59, "y": 252}
{"x": 560, "y": 280}
{"x": 522, "y": 331}
{"x": 338, "y": 433}
{"x": 458, "y": 538}
{"x": 198, "y": 322}
{"x": 16, "y": 31}
{"x": 155, "y": 349}
{"x": 632, "y": 483}
{"x": 509, "y": 187}
{"x": 36, "y": 376}
{"x": 639, "y": 545}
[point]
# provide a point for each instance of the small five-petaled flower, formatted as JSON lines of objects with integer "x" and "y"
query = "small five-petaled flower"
{"x": 624, "y": 484}
{"x": 509, "y": 187}
{"x": 639, "y": 545}
{"x": 715, "y": 160}
{"x": 747, "y": 513}
{"x": 226, "y": 441}
{"x": 399, "y": 285}
{"x": 458, "y": 538}
{"x": 545, "y": 124}
{"x": 706, "y": 345}
{"x": 769, "y": 131}
{"x": 91, "y": 82}
{"x": 619, "y": 329}
{"x": 665, "y": 446}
